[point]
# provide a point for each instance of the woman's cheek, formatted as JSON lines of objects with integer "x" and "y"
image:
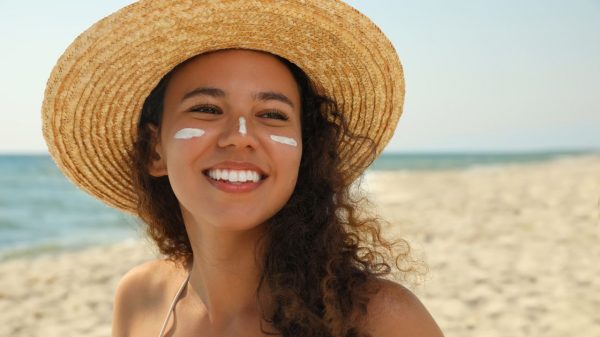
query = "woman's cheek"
{"x": 185, "y": 141}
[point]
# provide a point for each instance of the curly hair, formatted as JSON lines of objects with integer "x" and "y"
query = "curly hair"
{"x": 322, "y": 248}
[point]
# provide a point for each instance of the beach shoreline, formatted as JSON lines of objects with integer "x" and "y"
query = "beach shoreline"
{"x": 511, "y": 251}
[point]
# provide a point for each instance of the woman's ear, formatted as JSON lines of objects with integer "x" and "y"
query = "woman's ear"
{"x": 157, "y": 165}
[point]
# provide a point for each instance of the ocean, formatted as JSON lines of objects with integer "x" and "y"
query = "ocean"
{"x": 42, "y": 212}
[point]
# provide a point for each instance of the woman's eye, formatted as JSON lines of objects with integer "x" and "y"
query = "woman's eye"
{"x": 275, "y": 115}
{"x": 210, "y": 109}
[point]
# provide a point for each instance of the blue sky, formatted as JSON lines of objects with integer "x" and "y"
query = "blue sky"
{"x": 481, "y": 75}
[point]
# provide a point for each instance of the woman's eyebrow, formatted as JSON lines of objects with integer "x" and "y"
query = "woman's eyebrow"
{"x": 206, "y": 91}
{"x": 275, "y": 96}
{"x": 260, "y": 96}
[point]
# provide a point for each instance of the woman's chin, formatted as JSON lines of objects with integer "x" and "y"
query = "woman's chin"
{"x": 230, "y": 221}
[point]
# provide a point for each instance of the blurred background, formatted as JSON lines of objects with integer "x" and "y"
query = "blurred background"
{"x": 488, "y": 83}
{"x": 481, "y": 76}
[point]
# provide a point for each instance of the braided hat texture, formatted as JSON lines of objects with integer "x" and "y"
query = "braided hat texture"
{"x": 96, "y": 91}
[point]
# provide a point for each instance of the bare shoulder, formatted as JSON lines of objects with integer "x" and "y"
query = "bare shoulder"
{"x": 141, "y": 292}
{"x": 394, "y": 311}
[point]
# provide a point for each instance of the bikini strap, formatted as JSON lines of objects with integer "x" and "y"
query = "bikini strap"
{"x": 172, "y": 307}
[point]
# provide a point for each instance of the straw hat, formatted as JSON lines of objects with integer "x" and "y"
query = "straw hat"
{"x": 96, "y": 91}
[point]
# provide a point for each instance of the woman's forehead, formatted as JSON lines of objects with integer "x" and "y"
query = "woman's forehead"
{"x": 236, "y": 69}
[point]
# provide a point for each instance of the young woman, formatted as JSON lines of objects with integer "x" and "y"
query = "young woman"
{"x": 234, "y": 130}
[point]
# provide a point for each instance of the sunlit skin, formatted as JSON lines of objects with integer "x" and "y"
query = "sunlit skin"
{"x": 207, "y": 99}
{"x": 212, "y": 92}
{"x": 241, "y": 75}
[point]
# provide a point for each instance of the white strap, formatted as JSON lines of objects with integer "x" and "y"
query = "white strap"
{"x": 162, "y": 330}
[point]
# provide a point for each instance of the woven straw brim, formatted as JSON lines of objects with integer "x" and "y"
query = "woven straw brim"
{"x": 96, "y": 91}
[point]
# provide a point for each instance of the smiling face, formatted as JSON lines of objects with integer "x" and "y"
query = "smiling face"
{"x": 230, "y": 116}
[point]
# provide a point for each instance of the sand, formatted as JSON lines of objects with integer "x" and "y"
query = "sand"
{"x": 511, "y": 250}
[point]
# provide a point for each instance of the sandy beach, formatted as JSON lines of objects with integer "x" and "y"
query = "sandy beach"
{"x": 512, "y": 251}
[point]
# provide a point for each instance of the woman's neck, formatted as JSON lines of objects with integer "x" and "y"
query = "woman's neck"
{"x": 225, "y": 272}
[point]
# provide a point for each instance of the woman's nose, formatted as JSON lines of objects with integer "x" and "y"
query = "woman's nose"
{"x": 239, "y": 133}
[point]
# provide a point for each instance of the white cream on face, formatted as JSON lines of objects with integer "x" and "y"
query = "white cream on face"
{"x": 243, "y": 126}
{"x": 284, "y": 140}
{"x": 189, "y": 133}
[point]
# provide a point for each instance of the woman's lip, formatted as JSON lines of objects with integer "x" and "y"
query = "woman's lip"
{"x": 234, "y": 188}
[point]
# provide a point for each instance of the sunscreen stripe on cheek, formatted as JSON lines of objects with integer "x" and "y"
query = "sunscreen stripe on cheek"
{"x": 189, "y": 133}
{"x": 284, "y": 140}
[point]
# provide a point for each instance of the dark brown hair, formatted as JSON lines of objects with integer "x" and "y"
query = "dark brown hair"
{"x": 322, "y": 250}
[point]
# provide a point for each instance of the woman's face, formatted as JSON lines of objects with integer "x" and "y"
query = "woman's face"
{"x": 230, "y": 115}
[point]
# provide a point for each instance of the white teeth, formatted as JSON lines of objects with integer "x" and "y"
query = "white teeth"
{"x": 234, "y": 176}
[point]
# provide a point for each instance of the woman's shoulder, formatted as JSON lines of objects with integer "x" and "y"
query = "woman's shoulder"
{"x": 394, "y": 311}
{"x": 148, "y": 277}
{"x": 143, "y": 292}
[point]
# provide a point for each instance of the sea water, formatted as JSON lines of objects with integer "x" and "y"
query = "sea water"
{"x": 42, "y": 211}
